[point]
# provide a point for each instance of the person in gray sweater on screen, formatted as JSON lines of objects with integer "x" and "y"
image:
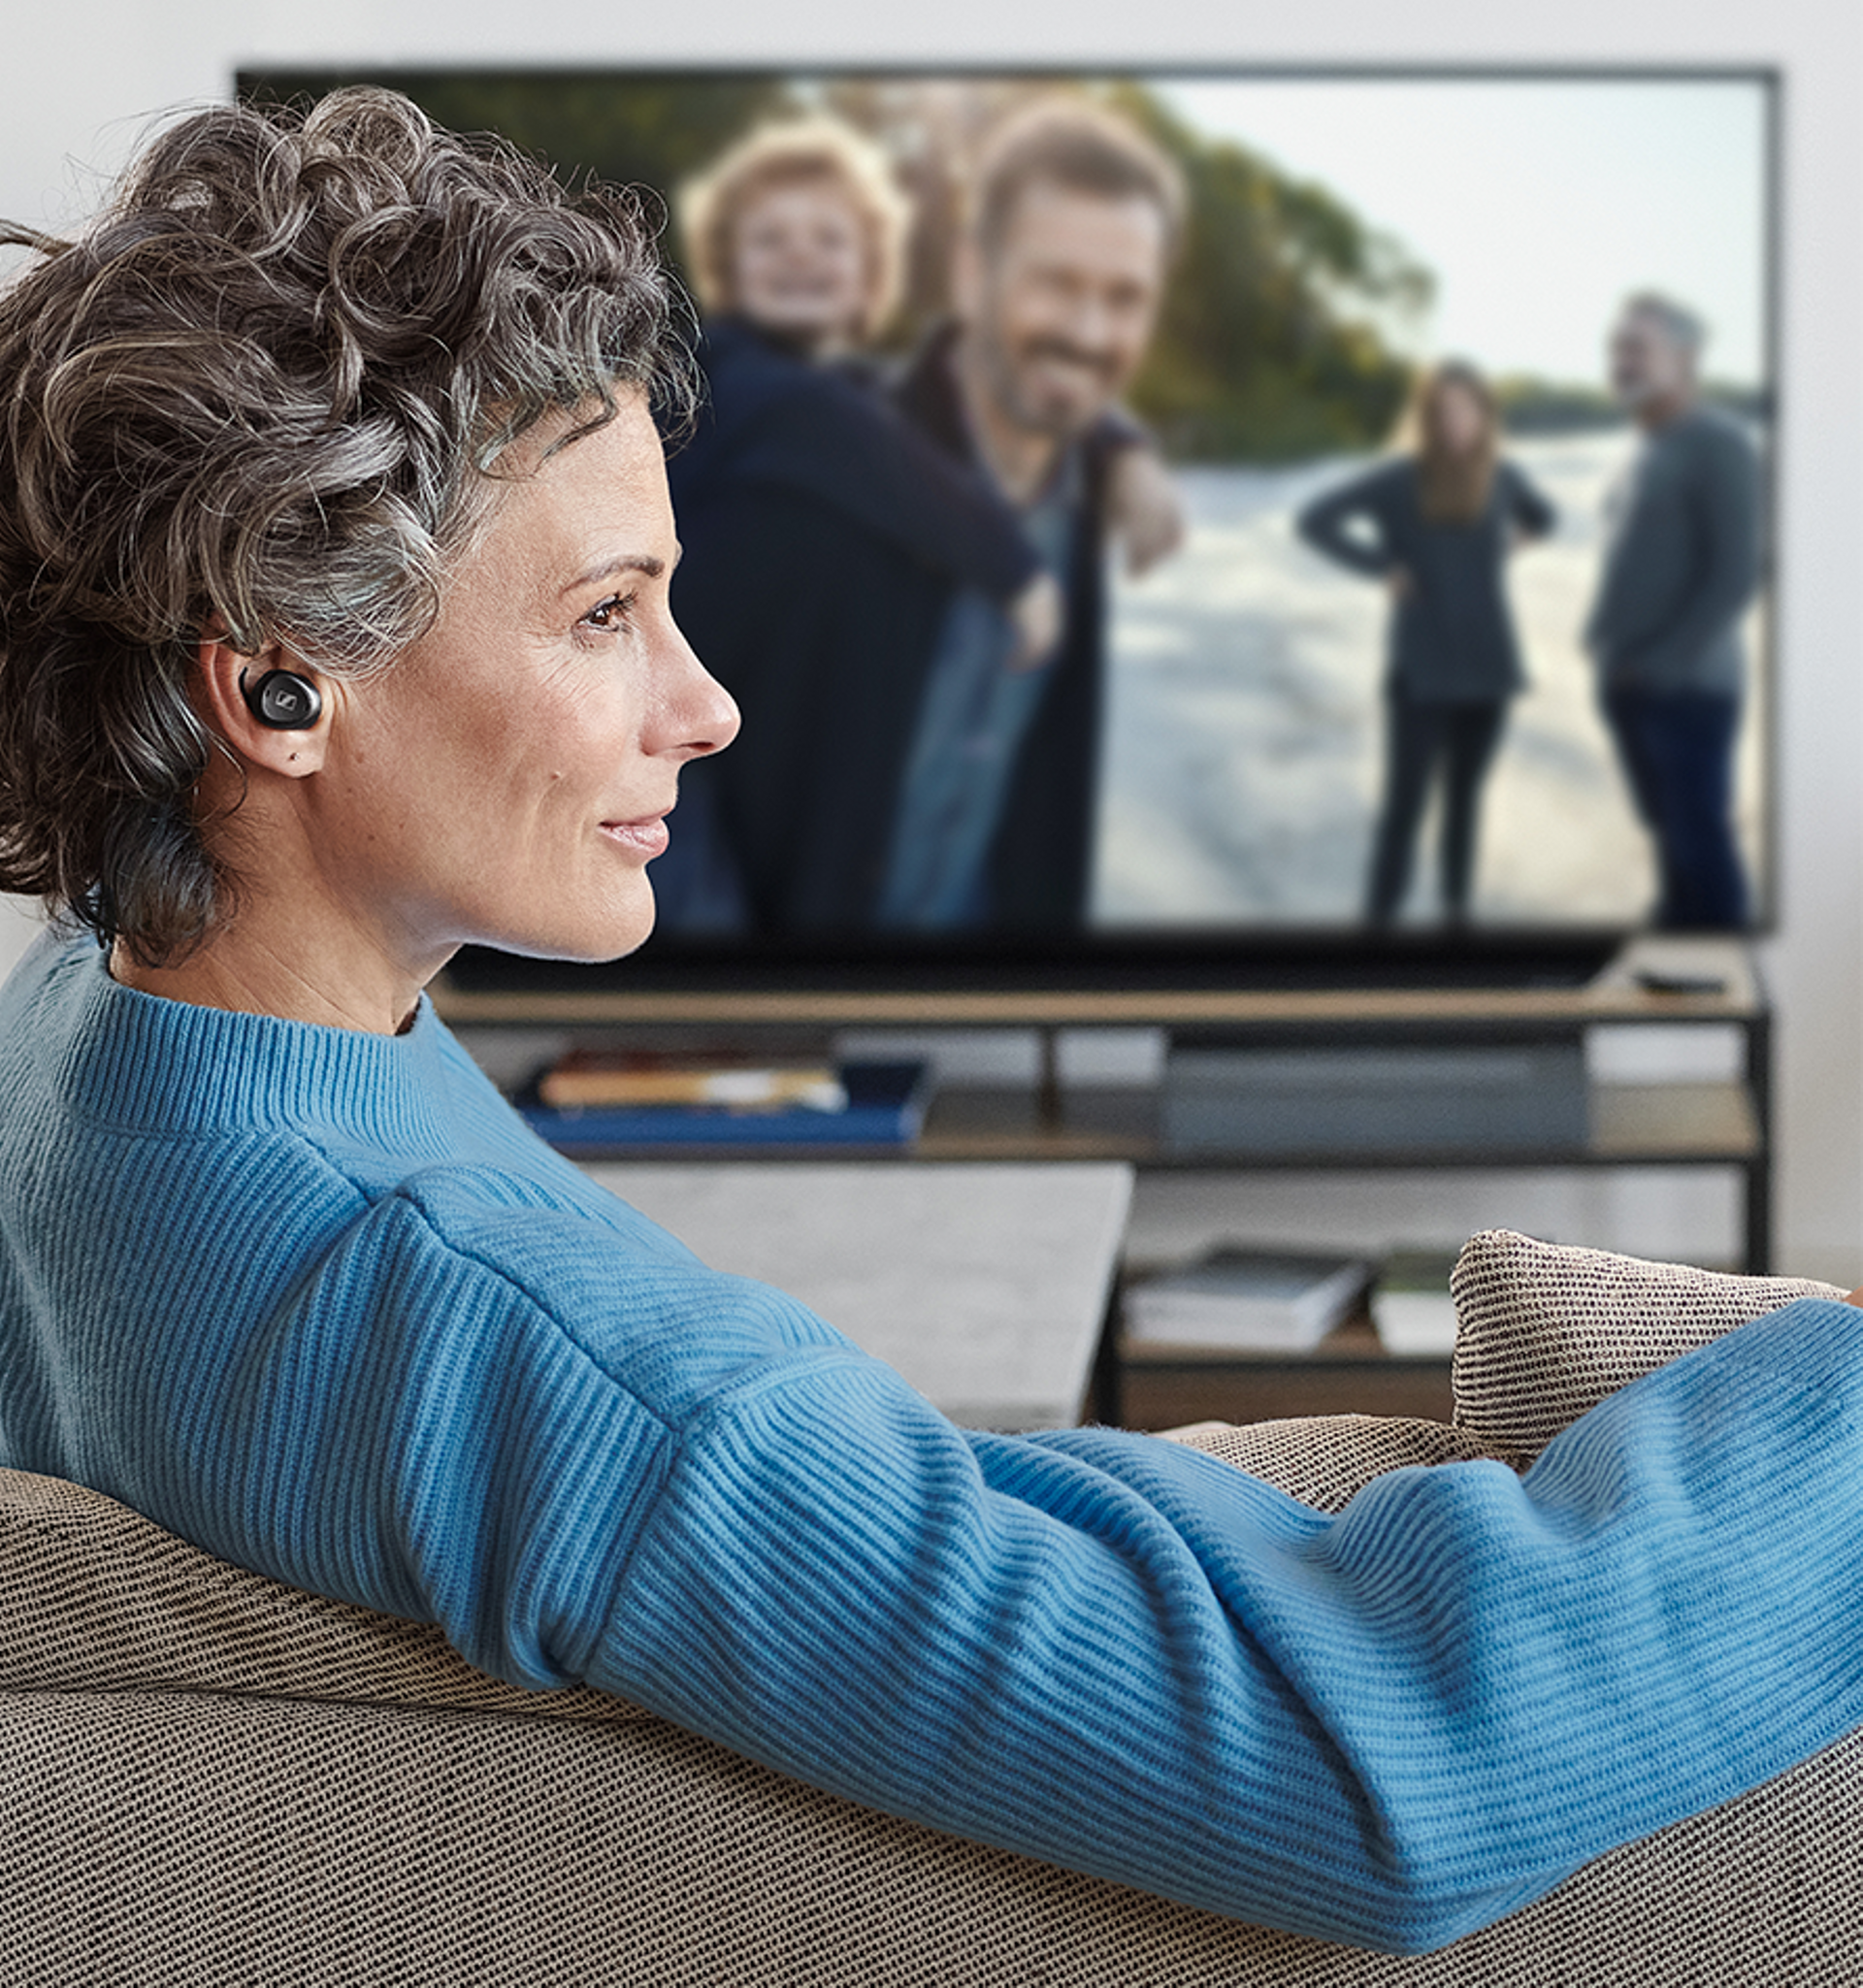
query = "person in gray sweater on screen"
{"x": 1680, "y": 565}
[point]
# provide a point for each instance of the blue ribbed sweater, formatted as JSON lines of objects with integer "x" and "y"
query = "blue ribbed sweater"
{"x": 318, "y": 1302}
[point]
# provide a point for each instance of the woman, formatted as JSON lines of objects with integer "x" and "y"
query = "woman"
{"x": 334, "y": 555}
{"x": 798, "y": 230}
{"x": 1436, "y": 525}
{"x": 815, "y": 521}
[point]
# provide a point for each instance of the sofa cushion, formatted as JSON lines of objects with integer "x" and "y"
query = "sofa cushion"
{"x": 1324, "y": 1460}
{"x": 1545, "y": 1331}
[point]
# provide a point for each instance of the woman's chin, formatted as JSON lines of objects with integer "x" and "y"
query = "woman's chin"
{"x": 591, "y": 946}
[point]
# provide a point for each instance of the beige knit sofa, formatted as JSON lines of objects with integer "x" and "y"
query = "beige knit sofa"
{"x": 205, "y": 1778}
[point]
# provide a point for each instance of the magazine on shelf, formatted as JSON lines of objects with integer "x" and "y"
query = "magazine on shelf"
{"x": 1245, "y": 1300}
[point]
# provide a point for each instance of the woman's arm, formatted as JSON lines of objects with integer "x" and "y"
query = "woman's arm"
{"x": 586, "y": 1458}
{"x": 1110, "y": 1652}
{"x": 1351, "y": 525}
{"x": 1529, "y": 512}
{"x": 1391, "y": 1727}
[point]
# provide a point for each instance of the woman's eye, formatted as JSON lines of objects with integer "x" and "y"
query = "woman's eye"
{"x": 612, "y": 612}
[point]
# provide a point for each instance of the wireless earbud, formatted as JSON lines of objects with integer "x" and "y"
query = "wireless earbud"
{"x": 282, "y": 699}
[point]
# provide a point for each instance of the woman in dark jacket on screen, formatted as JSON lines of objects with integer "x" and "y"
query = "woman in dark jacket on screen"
{"x": 820, "y": 529}
{"x": 1436, "y": 525}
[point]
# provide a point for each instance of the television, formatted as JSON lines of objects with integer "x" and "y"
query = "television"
{"x": 1232, "y": 744}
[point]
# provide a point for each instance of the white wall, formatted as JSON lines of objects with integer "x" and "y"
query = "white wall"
{"x": 79, "y": 78}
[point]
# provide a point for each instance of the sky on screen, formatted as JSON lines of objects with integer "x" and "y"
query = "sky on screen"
{"x": 1537, "y": 203}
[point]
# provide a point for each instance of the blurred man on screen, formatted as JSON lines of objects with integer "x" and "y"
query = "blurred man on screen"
{"x": 1057, "y": 283}
{"x": 1680, "y": 567}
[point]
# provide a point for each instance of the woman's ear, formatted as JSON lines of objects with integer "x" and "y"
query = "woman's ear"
{"x": 256, "y": 724}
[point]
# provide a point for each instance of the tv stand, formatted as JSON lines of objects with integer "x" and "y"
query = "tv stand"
{"x": 1724, "y": 1123}
{"x": 1716, "y": 1123}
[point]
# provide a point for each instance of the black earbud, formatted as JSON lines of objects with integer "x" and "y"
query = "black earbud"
{"x": 282, "y": 699}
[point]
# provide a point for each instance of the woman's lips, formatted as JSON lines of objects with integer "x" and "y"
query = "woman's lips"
{"x": 645, "y": 837}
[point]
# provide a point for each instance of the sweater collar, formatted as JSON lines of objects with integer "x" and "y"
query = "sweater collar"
{"x": 136, "y": 1058}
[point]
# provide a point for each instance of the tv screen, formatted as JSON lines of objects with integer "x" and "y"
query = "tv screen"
{"x": 1180, "y": 520}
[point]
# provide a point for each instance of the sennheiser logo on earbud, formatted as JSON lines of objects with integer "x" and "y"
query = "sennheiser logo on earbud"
{"x": 282, "y": 699}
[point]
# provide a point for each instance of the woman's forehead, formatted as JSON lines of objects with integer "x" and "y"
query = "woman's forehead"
{"x": 562, "y": 499}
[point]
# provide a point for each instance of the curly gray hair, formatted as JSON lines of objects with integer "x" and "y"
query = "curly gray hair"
{"x": 266, "y": 392}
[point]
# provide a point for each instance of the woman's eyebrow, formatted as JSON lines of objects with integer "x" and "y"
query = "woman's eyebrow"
{"x": 644, "y": 562}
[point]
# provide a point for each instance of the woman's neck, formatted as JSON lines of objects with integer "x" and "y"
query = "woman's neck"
{"x": 245, "y": 971}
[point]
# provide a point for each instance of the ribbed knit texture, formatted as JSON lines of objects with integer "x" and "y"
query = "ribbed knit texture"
{"x": 319, "y": 1303}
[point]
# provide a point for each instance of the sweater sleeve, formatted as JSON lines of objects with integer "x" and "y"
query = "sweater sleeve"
{"x": 1101, "y": 1649}
{"x": 1389, "y": 1727}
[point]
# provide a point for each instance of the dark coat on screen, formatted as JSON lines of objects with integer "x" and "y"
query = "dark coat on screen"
{"x": 825, "y": 538}
{"x": 822, "y": 537}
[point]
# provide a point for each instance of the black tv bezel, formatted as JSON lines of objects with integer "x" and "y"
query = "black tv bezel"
{"x": 1267, "y": 957}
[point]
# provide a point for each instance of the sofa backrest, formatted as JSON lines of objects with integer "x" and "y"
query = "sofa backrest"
{"x": 205, "y": 1778}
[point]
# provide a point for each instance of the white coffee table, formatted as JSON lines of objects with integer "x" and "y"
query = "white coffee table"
{"x": 985, "y": 1286}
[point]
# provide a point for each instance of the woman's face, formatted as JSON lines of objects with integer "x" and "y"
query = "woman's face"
{"x": 506, "y": 780}
{"x": 799, "y": 263}
{"x": 1460, "y": 420}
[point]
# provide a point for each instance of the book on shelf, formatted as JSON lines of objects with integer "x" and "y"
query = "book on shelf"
{"x": 1244, "y": 1300}
{"x": 1410, "y": 1307}
{"x": 585, "y": 1077}
{"x": 859, "y": 1104}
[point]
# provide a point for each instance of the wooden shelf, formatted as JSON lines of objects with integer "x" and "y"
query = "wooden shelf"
{"x": 1348, "y": 1373}
{"x": 1631, "y": 1124}
{"x": 1616, "y": 995}
{"x": 1683, "y": 1123}
{"x": 1721, "y": 1123}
